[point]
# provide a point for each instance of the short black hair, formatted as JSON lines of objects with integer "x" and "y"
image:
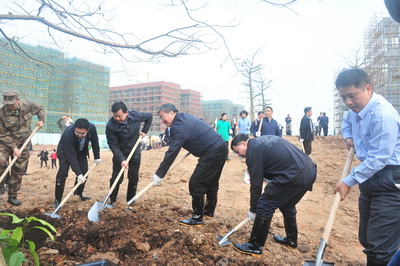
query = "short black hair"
{"x": 269, "y": 108}
{"x": 167, "y": 107}
{"x": 244, "y": 112}
{"x": 223, "y": 115}
{"x": 353, "y": 76}
{"x": 307, "y": 109}
{"x": 260, "y": 112}
{"x": 82, "y": 123}
{"x": 237, "y": 139}
{"x": 119, "y": 106}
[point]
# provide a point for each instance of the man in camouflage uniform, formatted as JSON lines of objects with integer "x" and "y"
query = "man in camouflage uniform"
{"x": 15, "y": 128}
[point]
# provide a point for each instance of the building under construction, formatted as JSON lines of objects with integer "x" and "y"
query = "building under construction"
{"x": 382, "y": 63}
{"x": 63, "y": 86}
{"x": 214, "y": 108}
{"x": 148, "y": 97}
{"x": 382, "y": 57}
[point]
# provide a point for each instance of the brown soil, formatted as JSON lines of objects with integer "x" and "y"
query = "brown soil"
{"x": 150, "y": 234}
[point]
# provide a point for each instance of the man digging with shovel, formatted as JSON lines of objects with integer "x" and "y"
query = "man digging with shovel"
{"x": 122, "y": 132}
{"x": 15, "y": 129}
{"x": 290, "y": 174}
{"x": 73, "y": 151}
{"x": 192, "y": 134}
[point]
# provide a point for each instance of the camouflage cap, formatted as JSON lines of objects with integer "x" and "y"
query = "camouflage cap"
{"x": 10, "y": 97}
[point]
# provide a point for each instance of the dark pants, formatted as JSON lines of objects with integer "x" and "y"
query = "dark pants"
{"x": 205, "y": 178}
{"x": 53, "y": 163}
{"x": 133, "y": 176}
{"x": 41, "y": 163}
{"x": 307, "y": 147}
{"x": 285, "y": 197}
{"x": 63, "y": 173}
{"x": 379, "y": 206}
{"x": 325, "y": 129}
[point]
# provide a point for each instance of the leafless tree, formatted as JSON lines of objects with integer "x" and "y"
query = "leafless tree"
{"x": 354, "y": 59}
{"x": 88, "y": 20}
{"x": 262, "y": 86}
{"x": 249, "y": 68}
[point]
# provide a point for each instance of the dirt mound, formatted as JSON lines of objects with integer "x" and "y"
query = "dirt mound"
{"x": 148, "y": 233}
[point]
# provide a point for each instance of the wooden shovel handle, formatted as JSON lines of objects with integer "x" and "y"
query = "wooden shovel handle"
{"x": 336, "y": 201}
{"x": 122, "y": 168}
{"x": 76, "y": 186}
{"x": 140, "y": 193}
{"x": 21, "y": 149}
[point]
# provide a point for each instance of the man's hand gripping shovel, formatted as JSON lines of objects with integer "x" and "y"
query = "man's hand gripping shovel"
{"x": 98, "y": 206}
{"x": 54, "y": 214}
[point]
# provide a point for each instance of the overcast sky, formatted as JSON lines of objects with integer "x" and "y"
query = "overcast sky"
{"x": 301, "y": 50}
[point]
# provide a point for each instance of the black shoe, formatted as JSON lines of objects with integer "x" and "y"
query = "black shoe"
{"x": 285, "y": 241}
{"x": 248, "y": 249}
{"x": 25, "y": 173}
{"x": 191, "y": 222}
{"x": 208, "y": 215}
{"x": 14, "y": 201}
{"x": 55, "y": 204}
{"x": 83, "y": 198}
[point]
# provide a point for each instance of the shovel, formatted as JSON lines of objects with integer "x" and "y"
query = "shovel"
{"x": 93, "y": 213}
{"x": 224, "y": 241}
{"x": 329, "y": 224}
{"x": 151, "y": 183}
{"x": 15, "y": 157}
{"x": 54, "y": 215}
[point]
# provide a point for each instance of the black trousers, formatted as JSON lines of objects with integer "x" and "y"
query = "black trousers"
{"x": 307, "y": 147}
{"x": 205, "y": 177}
{"x": 379, "y": 207}
{"x": 133, "y": 176}
{"x": 285, "y": 197}
{"x": 64, "y": 168}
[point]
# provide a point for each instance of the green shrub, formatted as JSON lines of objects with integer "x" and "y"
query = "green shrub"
{"x": 13, "y": 242}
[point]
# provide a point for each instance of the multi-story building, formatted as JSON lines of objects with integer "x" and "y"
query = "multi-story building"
{"x": 213, "y": 109}
{"x": 382, "y": 63}
{"x": 148, "y": 97}
{"x": 63, "y": 86}
{"x": 382, "y": 57}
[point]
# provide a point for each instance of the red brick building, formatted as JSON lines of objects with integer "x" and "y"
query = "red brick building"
{"x": 148, "y": 97}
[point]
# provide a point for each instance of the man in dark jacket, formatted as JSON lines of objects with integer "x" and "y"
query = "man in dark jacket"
{"x": 73, "y": 152}
{"x": 307, "y": 130}
{"x": 192, "y": 134}
{"x": 290, "y": 174}
{"x": 122, "y": 132}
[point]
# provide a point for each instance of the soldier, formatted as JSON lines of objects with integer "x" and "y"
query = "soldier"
{"x": 15, "y": 128}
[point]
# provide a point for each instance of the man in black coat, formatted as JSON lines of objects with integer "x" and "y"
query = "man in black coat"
{"x": 73, "y": 152}
{"x": 290, "y": 174}
{"x": 122, "y": 132}
{"x": 192, "y": 134}
{"x": 307, "y": 130}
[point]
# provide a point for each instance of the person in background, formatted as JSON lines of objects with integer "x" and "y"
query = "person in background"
{"x": 44, "y": 157}
{"x": 323, "y": 123}
{"x": 73, "y": 152}
{"x": 372, "y": 127}
{"x": 256, "y": 125}
{"x": 200, "y": 140}
{"x": 290, "y": 174}
{"x": 54, "y": 157}
{"x": 318, "y": 126}
{"x": 243, "y": 123}
{"x": 307, "y": 130}
{"x": 15, "y": 129}
{"x": 288, "y": 121}
{"x": 224, "y": 129}
{"x": 233, "y": 125}
{"x": 64, "y": 122}
{"x": 269, "y": 125}
{"x": 122, "y": 132}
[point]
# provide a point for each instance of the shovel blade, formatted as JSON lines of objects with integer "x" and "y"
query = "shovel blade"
{"x": 93, "y": 214}
{"x": 223, "y": 242}
{"x": 55, "y": 215}
{"x": 313, "y": 263}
